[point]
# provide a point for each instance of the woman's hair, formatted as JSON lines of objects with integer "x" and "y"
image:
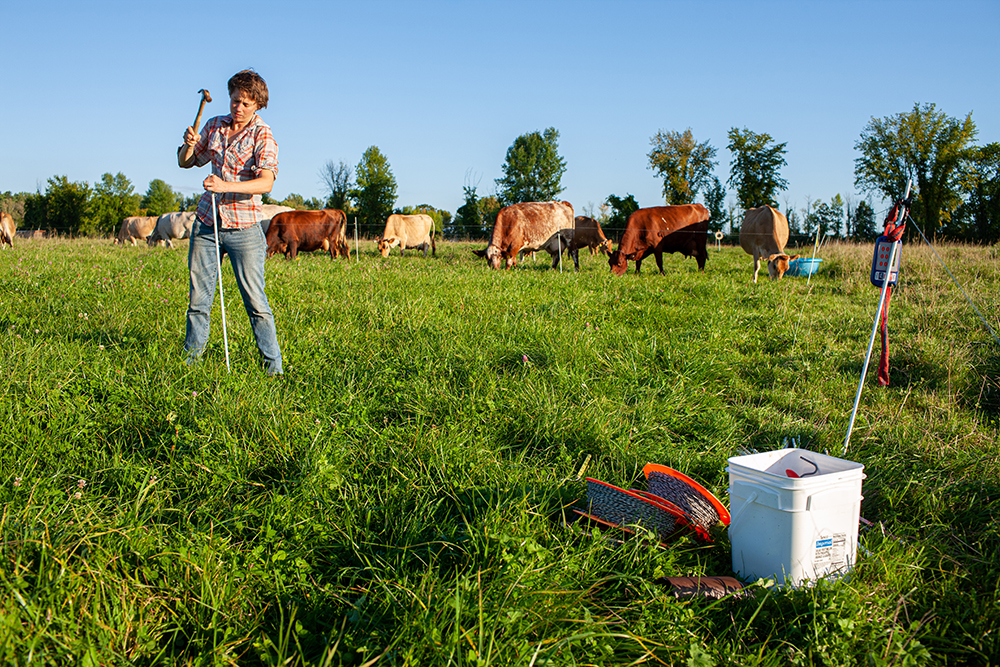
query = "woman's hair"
{"x": 251, "y": 83}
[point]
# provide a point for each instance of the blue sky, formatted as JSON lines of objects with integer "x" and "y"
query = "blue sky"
{"x": 443, "y": 88}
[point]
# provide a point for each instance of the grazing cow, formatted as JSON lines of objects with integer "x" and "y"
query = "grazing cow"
{"x": 408, "y": 231}
{"x": 135, "y": 228}
{"x": 587, "y": 233}
{"x": 528, "y": 227}
{"x": 293, "y": 231}
{"x": 763, "y": 234}
{"x": 268, "y": 211}
{"x": 170, "y": 226}
{"x": 6, "y": 230}
{"x": 660, "y": 229}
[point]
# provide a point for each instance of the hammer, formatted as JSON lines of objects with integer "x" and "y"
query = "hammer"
{"x": 205, "y": 97}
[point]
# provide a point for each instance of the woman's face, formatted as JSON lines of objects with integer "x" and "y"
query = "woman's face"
{"x": 241, "y": 107}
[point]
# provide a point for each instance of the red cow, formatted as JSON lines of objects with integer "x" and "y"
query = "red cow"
{"x": 294, "y": 231}
{"x": 660, "y": 229}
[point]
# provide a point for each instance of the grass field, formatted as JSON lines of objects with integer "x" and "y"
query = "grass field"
{"x": 395, "y": 498}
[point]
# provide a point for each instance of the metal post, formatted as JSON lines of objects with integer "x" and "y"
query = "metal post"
{"x": 218, "y": 266}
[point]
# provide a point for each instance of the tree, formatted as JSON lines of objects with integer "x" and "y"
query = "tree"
{"x": 376, "y": 192}
{"x": 533, "y": 169}
{"x": 337, "y": 181}
{"x": 62, "y": 208}
{"x": 684, "y": 165}
{"x": 977, "y": 219}
{"x": 160, "y": 198}
{"x": 715, "y": 202}
{"x": 13, "y": 205}
{"x": 621, "y": 210}
{"x": 863, "y": 223}
{"x": 113, "y": 199}
{"x": 754, "y": 169}
{"x": 489, "y": 208}
{"x": 924, "y": 145}
{"x": 468, "y": 222}
{"x": 825, "y": 218}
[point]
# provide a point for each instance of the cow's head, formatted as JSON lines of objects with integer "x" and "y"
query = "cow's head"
{"x": 618, "y": 263}
{"x": 777, "y": 264}
{"x": 387, "y": 244}
{"x": 604, "y": 247}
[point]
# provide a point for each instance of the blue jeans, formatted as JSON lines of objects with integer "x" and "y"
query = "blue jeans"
{"x": 247, "y": 251}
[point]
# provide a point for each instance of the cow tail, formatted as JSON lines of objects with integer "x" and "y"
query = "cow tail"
{"x": 433, "y": 245}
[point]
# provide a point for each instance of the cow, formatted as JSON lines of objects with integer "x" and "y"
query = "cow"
{"x": 587, "y": 233}
{"x": 6, "y": 230}
{"x": 135, "y": 228}
{"x": 293, "y": 231}
{"x": 528, "y": 227}
{"x": 763, "y": 234}
{"x": 408, "y": 231}
{"x": 660, "y": 229}
{"x": 170, "y": 226}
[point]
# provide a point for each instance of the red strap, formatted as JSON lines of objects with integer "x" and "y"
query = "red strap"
{"x": 883, "y": 364}
{"x": 894, "y": 231}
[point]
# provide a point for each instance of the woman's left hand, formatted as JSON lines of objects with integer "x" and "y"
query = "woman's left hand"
{"x": 214, "y": 184}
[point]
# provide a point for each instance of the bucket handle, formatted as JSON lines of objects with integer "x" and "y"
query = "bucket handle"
{"x": 736, "y": 519}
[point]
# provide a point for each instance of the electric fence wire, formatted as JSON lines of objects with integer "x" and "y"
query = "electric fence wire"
{"x": 957, "y": 284}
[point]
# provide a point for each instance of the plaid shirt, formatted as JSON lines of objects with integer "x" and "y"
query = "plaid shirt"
{"x": 254, "y": 150}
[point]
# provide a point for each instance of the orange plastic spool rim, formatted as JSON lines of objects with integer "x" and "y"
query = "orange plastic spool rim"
{"x": 716, "y": 503}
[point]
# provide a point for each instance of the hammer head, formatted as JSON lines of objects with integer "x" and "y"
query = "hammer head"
{"x": 205, "y": 96}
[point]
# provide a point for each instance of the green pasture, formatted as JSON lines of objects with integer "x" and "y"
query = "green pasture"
{"x": 397, "y": 497}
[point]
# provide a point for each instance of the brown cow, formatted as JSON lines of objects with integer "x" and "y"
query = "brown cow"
{"x": 135, "y": 229}
{"x": 763, "y": 234}
{"x": 294, "y": 231}
{"x": 6, "y": 230}
{"x": 587, "y": 233}
{"x": 527, "y": 227}
{"x": 660, "y": 229}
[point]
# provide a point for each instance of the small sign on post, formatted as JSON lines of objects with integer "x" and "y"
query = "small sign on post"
{"x": 881, "y": 259}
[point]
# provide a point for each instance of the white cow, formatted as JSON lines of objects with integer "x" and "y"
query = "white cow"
{"x": 408, "y": 231}
{"x": 763, "y": 234}
{"x": 6, "y": 230}
{"x": 170, "y": 226}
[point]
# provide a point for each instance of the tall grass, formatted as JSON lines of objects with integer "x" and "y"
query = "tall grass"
{"x": 398, "y": 497}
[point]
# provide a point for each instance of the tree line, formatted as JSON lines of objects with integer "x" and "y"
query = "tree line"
{"x": 956, "y": 184}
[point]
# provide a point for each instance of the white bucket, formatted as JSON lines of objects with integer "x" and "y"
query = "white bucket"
{"x": 793, "y": 530}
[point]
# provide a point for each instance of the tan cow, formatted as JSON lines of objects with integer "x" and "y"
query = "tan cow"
{"x": 6, "y": 230}
{"x": 408, "y": 231}
{"x": 763, "y": 234}
{"x": 135, "y": 229}
{"x": 528, "y": 227}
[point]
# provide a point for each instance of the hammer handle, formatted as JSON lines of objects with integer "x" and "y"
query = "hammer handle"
{"x": 197, "y": 119}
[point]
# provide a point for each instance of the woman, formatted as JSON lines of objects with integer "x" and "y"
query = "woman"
{"x": 244, "y": 159}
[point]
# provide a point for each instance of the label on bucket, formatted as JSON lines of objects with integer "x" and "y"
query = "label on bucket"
{"x": 830, "y": 553}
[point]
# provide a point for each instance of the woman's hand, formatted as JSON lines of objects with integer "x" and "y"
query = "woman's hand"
{"x": 215, "y": 184}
